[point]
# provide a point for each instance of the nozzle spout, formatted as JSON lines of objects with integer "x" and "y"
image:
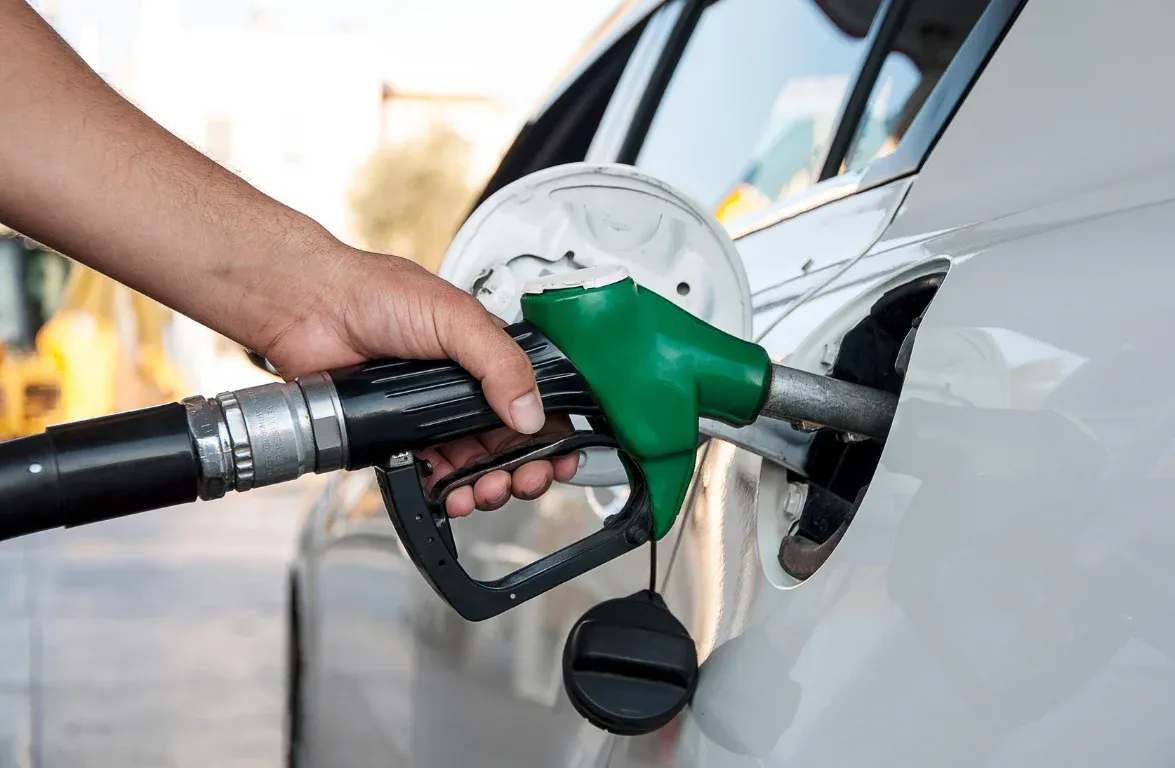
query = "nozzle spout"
{"x": 800, "y": 396}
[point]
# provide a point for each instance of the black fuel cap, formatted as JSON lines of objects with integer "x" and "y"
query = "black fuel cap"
{"x": 629, "y": 666}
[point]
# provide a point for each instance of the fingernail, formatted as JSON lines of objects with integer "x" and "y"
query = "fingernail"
{"x": 527, "y": 413}
{"x": 533, "y": 493}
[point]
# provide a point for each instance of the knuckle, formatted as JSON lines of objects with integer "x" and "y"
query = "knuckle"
{"x": 517, "y": 365}
{"x": 466, "y": 306}
{"x": 455, "y": 316}
{"x": 507, "y": 364}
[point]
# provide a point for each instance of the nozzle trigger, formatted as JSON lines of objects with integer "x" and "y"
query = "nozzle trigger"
{"x": 423, "y": 527}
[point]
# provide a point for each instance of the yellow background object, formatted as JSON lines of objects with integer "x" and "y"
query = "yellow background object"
{"x": 102, "y": 351}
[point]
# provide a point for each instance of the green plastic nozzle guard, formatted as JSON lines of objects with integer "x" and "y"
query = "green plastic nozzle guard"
{"x": 655, "y": 369}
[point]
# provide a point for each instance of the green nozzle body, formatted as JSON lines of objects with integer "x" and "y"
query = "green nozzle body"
{"x": 655, "y": 369}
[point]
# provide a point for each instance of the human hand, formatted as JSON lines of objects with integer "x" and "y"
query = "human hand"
{"x": 368, "y": 306}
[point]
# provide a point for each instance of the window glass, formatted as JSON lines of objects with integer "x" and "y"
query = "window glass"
{"x": 610, "y": 138}
{"x": 751, "y": 107}
{"x": 563, "y": 130}
{"x": 927, "y": 40}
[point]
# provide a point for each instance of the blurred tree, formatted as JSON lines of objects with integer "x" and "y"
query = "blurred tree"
{"x": 409, "y": 199}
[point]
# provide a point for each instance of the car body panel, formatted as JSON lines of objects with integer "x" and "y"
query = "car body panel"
{"x": 1000, "y": 598}
{"x": 792, "y": 264}
{"x": 1001, "y": 589}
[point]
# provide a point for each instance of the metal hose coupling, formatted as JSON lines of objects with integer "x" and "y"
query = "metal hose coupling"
{"x": 267, "y": 434}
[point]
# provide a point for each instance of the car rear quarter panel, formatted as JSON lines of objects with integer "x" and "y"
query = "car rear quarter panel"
{"x": 1003, "y": 596}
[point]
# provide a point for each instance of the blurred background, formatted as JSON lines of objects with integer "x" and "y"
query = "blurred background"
{"x": 157, "y": 640}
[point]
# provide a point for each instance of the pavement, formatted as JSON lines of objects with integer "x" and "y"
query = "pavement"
{"x": 155, "y": 641}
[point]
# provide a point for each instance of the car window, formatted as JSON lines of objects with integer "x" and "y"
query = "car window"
{"x": 564, "y": 130}
{"x": 926, "y": 42}
{"x": 626, "y": 118}
{"x": 750, "y": 109}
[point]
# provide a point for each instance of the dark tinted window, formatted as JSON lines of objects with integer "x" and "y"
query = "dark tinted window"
{"x": 750, "y": 109}
{"x": 564, "y": 131}
{"x": 928, "y": 38}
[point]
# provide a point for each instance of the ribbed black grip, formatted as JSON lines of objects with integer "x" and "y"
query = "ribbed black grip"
{"x": 94, "y": 470}
{"x": 391, "y": 406}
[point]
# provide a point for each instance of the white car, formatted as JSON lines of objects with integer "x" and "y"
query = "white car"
{"x": 982, "y": 222}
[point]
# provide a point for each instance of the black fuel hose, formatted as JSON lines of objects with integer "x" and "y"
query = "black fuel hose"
{"x": 98, "y": 469}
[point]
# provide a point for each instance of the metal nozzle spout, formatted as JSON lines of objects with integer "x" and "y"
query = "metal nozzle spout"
{"x": 803, "y": 397}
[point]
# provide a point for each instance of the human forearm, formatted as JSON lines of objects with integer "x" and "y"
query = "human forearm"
{"x": 84, "y": 171}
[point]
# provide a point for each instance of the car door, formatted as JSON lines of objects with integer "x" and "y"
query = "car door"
{"x": 808, "y": 252}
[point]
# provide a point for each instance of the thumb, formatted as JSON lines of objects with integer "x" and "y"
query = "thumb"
{"x": 473, "y": 339}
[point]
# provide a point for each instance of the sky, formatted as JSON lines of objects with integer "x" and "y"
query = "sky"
{"x": 511, "y": 49}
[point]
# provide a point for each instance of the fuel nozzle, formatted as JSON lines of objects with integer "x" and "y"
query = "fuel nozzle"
{"x": 656, "y": 370}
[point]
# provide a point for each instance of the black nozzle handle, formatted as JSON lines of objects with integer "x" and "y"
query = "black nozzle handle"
{"x": 424, "y": 528}
{"x": 393, "y": 406}
{"x": 97, "y": 469}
